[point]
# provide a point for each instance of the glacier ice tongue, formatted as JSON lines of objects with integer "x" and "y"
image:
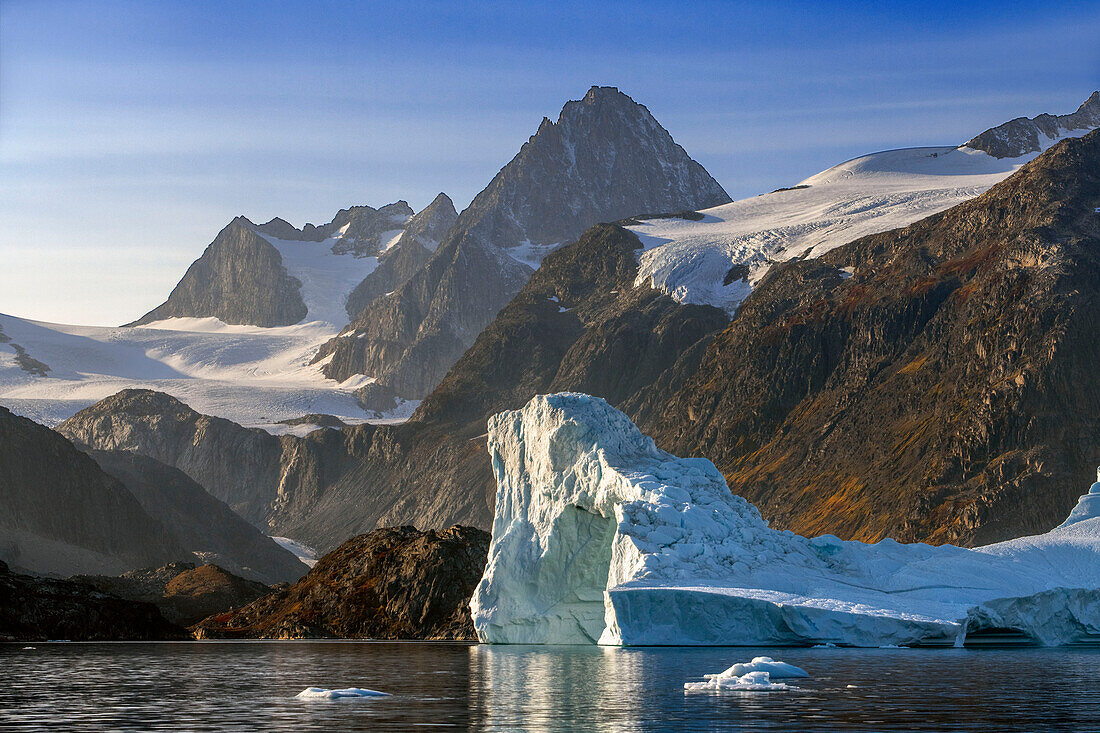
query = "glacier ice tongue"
{"x": 600, "y": 537}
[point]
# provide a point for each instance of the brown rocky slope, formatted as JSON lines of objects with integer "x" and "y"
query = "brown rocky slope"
{"x": 947, "y": 392}
{"x": 395, "y": 583}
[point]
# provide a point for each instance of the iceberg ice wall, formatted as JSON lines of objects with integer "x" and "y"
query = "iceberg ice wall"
{"x": 600, "y": 537}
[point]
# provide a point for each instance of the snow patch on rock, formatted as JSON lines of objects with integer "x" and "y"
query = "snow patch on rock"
{"x": 599, "y": 536}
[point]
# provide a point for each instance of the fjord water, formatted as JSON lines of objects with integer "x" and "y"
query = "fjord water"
{"x": 247, "y": 686}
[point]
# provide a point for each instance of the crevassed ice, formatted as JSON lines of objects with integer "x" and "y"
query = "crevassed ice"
{"x": 600, "y": 537}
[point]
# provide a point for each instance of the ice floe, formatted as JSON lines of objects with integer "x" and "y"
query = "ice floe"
{"x": 321, "y": 693}
{"x": 749, "y": 682}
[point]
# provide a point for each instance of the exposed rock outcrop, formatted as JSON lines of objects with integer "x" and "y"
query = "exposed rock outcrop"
{"x": 421, "y": 237}
{"x": 1023, "y": 135}
{"x": 184, "y": 593}
{"x": 397, "y": 583}
{"x": 38, "y": 609}
{"x": 239, "y": 279}
{"x": 275, "y": 483}
{"x": 606, "y": 158}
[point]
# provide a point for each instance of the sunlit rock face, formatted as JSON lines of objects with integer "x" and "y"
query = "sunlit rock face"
{"x": 600, "y": 537}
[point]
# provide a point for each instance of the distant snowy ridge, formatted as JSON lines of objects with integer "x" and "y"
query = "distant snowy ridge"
{"x": 253, "y": 375}
{"x": 601, "y": 537}
{"x": 718, "y": 259}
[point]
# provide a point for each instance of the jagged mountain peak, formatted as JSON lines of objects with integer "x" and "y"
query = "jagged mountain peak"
{"x": 605, "y": 158}
{"x": 1025, "y": 135}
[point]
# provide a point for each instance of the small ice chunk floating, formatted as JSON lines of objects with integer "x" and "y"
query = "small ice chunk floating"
{"x": 320, "y": 693}
{"x": 600, "y": 537}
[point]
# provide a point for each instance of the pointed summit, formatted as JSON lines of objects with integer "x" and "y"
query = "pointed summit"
{"x": 605, "y": 159}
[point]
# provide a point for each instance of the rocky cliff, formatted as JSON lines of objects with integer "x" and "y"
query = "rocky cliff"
{"x": 1030, "y": 135}
{"x": 60, "y": 513}
{"x": 606, "y": 158}
{"x": 945, "y": 392}
{"x": 396, "y": 583}
{"x": 396, "y": 265}
{"x": 201, "y": 523}
{"x": 239, "y": 279}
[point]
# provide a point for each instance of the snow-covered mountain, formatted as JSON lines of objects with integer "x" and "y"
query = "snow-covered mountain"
{"x": 717, "y": 259}
{"x": 604, "y": 159}
{"x": 273, "y": 274}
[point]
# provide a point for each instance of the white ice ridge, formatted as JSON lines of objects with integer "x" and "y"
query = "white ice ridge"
{"x": 323, "y": 694}
{"x": 692, "y": 261}
{"x": 601, "y": 537}
{"x": 763, "y": 664}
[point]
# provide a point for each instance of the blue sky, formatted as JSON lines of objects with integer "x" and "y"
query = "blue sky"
{"x": 131, "y": 132}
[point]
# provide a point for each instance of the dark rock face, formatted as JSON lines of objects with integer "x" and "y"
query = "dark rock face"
{"x": 396, "y": 583}
{"x": 606, "y": 158}
{"x": 37, "y": 609}
{"x": 235, "y": 464}
{"x": 421, "y": 237}
{"x": 946, "y": 392}
{"x": 202, "y": 524}
{"x": 239, "y": 279}
{"x": 275, "y": 483}
{"x": 60, "y": 513}
{"x": 1021, "y": 135}
{"x": 184, "y": 593}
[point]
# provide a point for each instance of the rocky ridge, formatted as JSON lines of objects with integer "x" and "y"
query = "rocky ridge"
{"x": 184, "y": 593}
{"x": 1027, "y": 135}
{"x": 395, "y": 583}
{"x": 41, "y": 609}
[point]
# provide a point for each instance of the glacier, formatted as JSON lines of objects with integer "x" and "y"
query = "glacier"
{"x": 601, "y": 537}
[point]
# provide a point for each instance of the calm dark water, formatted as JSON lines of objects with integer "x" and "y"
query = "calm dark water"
{"x": 250, "y": 686}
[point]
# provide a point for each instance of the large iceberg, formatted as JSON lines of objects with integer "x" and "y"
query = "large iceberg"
{"x": 600, "y": 537}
